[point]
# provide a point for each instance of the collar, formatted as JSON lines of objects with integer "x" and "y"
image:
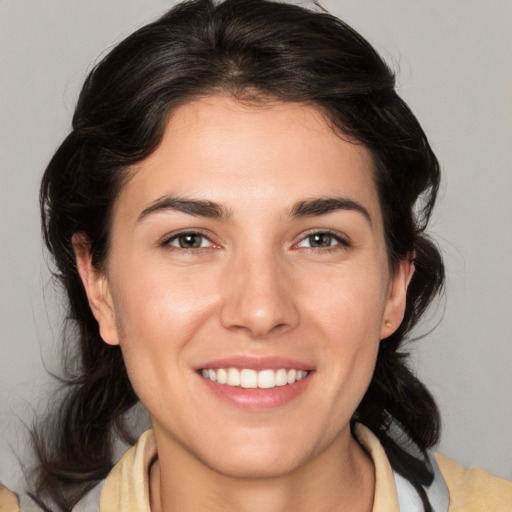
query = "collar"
{"x": 127, "y": 486}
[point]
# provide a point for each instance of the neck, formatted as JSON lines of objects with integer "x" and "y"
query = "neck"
{"x": 339, "y": 479}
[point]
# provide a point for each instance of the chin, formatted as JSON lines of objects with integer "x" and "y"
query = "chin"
{"x": 259, "y": 465}
{"x": 258, "y": 456}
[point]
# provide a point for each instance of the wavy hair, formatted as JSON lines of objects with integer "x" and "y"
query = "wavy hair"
{"x": 252, "y": 50}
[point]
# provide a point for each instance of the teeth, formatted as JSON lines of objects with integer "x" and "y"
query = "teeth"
{"x": 248, "y": 379}
{"x": 266, "y": 379}
{"x": 281, "y": 377}
{"x": 233, "y": 377}
{"x": 222, "y": 376}
{"x": 251, "y": 379}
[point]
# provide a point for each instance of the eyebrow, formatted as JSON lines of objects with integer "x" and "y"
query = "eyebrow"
{"x": 323, "y": 206}
{"x": 196, "y": 207}
{"x": 209, "y": 209}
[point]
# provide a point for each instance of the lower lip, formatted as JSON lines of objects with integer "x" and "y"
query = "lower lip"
{"x": 256, "y": 399}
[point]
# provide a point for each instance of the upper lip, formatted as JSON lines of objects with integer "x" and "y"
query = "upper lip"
{"x": 255, "y": 363}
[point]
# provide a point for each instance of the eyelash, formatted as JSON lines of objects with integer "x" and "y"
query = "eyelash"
{"x": 339, "y": 240}
{"x": 167, "y": 242}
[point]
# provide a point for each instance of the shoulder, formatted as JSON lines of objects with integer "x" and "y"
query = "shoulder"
{"x": 125, "y": 488}
{"x": 127, "y": 485}
{"x": 474, "y": 489}
{"x": 8, "y": 500}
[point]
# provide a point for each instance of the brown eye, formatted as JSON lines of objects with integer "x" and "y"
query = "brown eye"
{"x": 320, "y": 240}
{"x": 189, "y": 241}
{"x": 323, "y": 240}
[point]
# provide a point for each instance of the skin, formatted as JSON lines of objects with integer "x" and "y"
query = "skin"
{"x": 258, "y": 286}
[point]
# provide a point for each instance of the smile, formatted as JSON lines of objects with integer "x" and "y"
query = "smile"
{"x": 251, "y": 379}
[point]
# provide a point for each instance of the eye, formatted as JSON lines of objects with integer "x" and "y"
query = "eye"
{"x": 322, "y": 240}
{"x": 188, "y": 240}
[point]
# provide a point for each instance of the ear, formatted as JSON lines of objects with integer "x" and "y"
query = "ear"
{"x": 97, "y": 289}
{"x": 396, "y": 301}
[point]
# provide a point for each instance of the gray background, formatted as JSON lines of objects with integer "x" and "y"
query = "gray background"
{"x": 453, "y": 62}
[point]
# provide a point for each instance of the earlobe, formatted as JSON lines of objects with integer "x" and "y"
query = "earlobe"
{"x": 97, "y": 289}
{"x": 396, "y": 301}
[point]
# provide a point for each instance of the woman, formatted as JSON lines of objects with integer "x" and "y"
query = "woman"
{"x": 233, "y": 218}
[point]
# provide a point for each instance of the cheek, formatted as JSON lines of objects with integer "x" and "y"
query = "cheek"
{"x": 160, "y": 299}
{"x": 345, "y": 318}
{"x": 157, "y": 314}
{"x": 352, "y": 300}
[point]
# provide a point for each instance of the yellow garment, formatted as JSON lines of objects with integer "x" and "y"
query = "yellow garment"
{"x": 126, "y": 489}
{"x": 8, "y": 500}
{"x": 475, "y": 490}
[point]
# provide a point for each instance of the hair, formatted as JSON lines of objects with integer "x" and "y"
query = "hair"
{"x": 256, "y": 51}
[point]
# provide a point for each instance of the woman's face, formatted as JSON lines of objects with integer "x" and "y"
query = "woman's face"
{"x": 248, "y": 248}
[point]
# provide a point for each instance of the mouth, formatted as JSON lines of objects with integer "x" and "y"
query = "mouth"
{"x": 256, "y": 384}
{"x": 248, "y": 378}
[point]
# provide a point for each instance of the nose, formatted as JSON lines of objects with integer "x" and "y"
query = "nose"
{"x": 258, "y": 298}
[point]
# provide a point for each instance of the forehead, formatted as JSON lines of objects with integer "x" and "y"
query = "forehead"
{"x": 273, "y": 154}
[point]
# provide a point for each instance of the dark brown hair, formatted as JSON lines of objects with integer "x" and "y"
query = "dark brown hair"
{"x": 252, "y": 50}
